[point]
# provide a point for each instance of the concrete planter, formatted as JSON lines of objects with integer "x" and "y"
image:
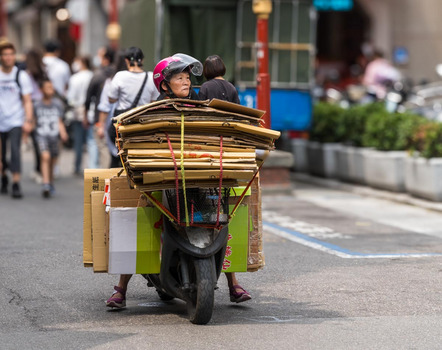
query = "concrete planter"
{"x": 350, "y": 165}
{"x": 423, "y": 177}
{"x": 322, "y": 159}
{"x": 385, "y": 170}
{"x": 299, "y": 150}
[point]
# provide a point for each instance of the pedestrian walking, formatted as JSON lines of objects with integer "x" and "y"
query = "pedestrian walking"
{"x": 132, "y": 87}
{"x": 58, "y": 70}
{"x": 16, "y": 115}
{"x": 93, "y": 95}
{"x": 76, "y": 97}
{"x": 106, "y": 111}
{"x": 49, "y": 128}
{"x": 37, "y": 72}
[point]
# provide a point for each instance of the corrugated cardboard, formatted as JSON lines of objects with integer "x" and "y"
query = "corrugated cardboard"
{"x": 100, "y": 238}
{"x": 152, "y": 177}
{"x": 215, "y": 127}
{"x": 121, "y": 195}
{"x": 93, "y": 181}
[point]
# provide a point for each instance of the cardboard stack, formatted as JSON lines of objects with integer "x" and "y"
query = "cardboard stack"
{"x": 156, "y": 149}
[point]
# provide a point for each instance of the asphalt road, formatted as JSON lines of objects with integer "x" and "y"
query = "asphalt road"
{"x": 343, "y": 271}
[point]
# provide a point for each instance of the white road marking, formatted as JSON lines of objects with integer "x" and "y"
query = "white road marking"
{"x": 284, "y": 229}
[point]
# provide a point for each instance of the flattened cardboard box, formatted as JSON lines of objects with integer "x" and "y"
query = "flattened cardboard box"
{"x": 121, "y": 195}
{"x": 93, "y": 181}
{"x": 100, "y": 234}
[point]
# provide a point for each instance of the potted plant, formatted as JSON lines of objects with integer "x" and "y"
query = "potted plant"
{"x": 350, "y": 155}
{"x": 423, "y": 168}
{"x": 325, "y": 137}
{"x": 390, "y": 134}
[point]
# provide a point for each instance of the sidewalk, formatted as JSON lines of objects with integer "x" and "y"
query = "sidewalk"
{"x": 367, "y": 191}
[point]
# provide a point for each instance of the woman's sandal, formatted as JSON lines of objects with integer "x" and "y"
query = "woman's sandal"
{"x": 238, "y": 297}
{"x": 117, "y": 302}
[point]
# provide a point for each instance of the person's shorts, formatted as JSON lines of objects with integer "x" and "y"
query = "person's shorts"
{"x": 50, "y": 144}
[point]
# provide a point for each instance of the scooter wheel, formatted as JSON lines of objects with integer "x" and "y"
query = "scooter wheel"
{"x": 200, "y": 305}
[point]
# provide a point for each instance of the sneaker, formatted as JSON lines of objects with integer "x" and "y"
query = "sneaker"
{"x": 4, "y": 188}
{"x": 16, "y": 192}
{"x": 52, "y": 189}
{"x": 46, "y": 192}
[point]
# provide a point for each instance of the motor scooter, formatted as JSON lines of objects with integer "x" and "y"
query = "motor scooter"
{"x": 193, "y": 249}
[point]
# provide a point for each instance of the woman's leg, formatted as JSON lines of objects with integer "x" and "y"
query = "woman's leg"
{"x": 124, "y": 281}
{"x": 118, "y": 298}
{"x": 237, "y": 293}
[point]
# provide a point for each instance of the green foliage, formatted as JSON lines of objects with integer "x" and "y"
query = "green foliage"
{"x": 428, "y": 140}
{"x": 328, "y": 123}
{"x": 391, "y": 131}
{"x": 354, "y": 122}
{"x": 372, "y": 126}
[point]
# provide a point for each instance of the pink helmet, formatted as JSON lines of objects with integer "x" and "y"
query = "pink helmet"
{"x": 175, "y": 64}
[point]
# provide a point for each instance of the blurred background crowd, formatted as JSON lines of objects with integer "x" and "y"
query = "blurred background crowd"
{"x": 343, "y": 51}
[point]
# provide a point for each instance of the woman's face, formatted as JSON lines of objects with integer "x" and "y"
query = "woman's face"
{"x": 180, "y": 84}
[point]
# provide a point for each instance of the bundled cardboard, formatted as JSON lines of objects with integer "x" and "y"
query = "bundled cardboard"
{"x": 198, "y": 139}
{"x": 93, "y": 181}
{"x": 121, "y": 195}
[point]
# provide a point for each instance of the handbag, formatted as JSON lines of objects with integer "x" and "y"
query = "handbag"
{"x": 111, "y": 129}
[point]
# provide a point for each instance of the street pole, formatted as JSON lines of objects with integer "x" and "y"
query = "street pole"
{"x": 262, "y": 10}
{"x": 113, "y": 30}
{"x": 3, "y": 20}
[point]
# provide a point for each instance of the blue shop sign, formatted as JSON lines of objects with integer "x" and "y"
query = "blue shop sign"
{"x": 333, "y": 5}
{"x": 401, "y": 55}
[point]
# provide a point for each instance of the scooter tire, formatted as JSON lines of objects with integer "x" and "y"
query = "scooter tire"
{"x": 200, "y": 305}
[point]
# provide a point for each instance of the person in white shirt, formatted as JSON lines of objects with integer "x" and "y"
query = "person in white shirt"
{"x": 106, "y": 111}
{"x": 58, "y": 70}
{"x": 127, "y": 84}
{"x": 16, "y": 115}
{"x": 130, "y": 88}
{"x": 76, "y": 97}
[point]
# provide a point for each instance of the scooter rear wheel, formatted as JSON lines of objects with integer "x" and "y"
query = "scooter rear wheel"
{"x": 200, "y": 305}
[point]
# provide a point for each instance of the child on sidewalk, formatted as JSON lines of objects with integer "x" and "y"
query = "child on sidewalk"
{"x": 48, "y": 113}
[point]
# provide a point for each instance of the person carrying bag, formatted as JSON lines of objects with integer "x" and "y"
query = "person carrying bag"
{"x": 123, "y": 90}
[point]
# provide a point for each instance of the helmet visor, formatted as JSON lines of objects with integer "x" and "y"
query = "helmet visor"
{"x": 180, "y": 63}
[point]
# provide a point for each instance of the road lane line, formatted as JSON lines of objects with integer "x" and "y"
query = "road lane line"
{"x": 332, "y": 248}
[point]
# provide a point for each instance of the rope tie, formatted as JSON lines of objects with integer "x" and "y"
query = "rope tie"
{"x": 232, "y": 214}
{"x": 186, "y": 210}
{"x": 176, "y": 178}
{"x": 220, "y": 178}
